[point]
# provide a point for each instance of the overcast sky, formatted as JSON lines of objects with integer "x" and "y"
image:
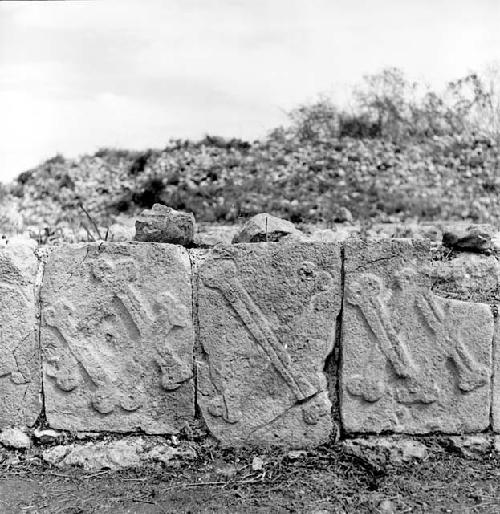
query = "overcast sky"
{"x": 79, "y": 75}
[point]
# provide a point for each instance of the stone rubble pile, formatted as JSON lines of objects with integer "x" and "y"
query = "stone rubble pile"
{"x": 279, "y": 343}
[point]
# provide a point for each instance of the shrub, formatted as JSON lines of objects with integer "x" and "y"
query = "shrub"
{"x": 139, "y": 163}
{"x": 150, "y": 193}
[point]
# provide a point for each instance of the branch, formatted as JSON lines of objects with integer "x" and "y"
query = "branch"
{"x": 93, "y": 223}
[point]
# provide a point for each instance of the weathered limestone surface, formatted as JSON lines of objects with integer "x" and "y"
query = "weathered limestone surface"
{"x": 471, "y": 277}
{"x": 412, "y": 361}
{"x": 117, "y": 337}
{"x": 267, "y": 315}
{"x": 495, "y": 408}
{"x": 19, "y": 354}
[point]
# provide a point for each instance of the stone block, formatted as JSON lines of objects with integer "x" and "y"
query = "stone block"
{"x": 20, "y": 402}
{"x": 162, "y": 224}
{"x": 412, "y": 361}
{"x": 383, "y": 450}
{"x": 495, "y": 409}
{"x": 472, "y": 445}
{"x": 117, "y": 338}
{"x": 15, "y": 438}
{"x": 267, "y": 317}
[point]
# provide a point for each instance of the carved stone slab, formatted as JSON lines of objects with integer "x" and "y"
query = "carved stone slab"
{"x": 267, "y": 315}
{"x": 117, "y": 338}
{"x": 495, "y": 408}
{"x": 19, "y": 355}
{"x": 412, "y": 361}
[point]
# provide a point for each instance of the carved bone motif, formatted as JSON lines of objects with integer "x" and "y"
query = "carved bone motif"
{"x": 224, "y": 278}
{"x": 119, "y": 278}
{"x": 366, "y": 295}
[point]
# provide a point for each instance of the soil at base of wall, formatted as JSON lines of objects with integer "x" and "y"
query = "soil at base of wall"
{"x": 327, "y": 479}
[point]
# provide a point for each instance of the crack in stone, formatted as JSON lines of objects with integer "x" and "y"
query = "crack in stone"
{"x": 368, "y": 263}
{"x": 71, "y": 273}
{"x": 296, "y": 404}
{"x": 42, "y": 417}
{"x": 337, "y": 352}
{"x": 196, "y": 328}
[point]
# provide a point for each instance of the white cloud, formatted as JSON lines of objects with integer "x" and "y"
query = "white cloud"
{"x": 77, "y": 75}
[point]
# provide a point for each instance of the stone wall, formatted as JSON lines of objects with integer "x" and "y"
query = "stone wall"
{"x": 289, "y": 343}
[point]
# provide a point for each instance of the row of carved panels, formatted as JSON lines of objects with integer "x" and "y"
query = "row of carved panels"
{"x": 274, "y": 333}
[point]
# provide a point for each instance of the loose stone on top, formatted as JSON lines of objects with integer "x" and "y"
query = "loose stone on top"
{"x": 162, "y": 224}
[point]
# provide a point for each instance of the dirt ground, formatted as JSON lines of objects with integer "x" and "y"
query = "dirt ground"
{"x": 328, "y": 479}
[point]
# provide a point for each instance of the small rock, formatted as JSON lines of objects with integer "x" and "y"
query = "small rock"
{"x": 48, "y": 435}
{"x": 411, "y": 450}
{"x": 37, "y": 461}
{"x": 15, "y": 438}
{"x": 56, "y": 454}
{"x": 162, "y": 454}
{"x": 475, "y": 238}
{"x": 264, "y": 227}
{"x": 296, "y": 454}
{"x": 471, "y": 445}
{"x": 342, "y": 215}
{"x": 94, "y": 456}
{"x": 226, "y": 470}
{"x": 12, "y": 460}
{"x": 166, "y": 454}
{"x": 162, "y": 224}
{"x": 386, "y": 449}
{"x": 387, "y": 506}
{"x": 257, "y": 464}
{"x": 496, "y": 443}
{"x": 132, "y": 452}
